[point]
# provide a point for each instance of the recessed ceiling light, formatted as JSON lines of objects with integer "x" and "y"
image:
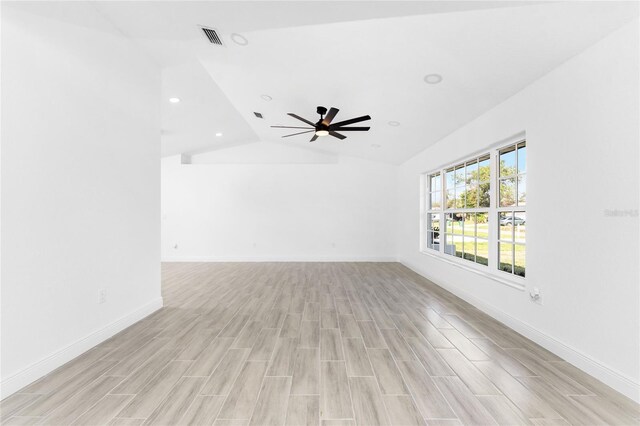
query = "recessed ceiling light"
{"x": 239, "y": 39}
{"x": 432, "y": 78}
{"x": 375, "y": 146}
{"x": 218, "y": 134}
{"x": 174, "y": 100}
{"x": 394, "y": 123}
{"x": 266, "y": 97}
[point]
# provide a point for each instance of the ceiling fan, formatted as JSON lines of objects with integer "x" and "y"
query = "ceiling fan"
{"x": 324, "y": 127}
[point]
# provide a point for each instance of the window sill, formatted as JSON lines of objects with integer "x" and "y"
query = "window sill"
{"x": 516, "y": 284}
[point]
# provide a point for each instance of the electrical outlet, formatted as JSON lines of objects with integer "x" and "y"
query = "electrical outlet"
{"x": 535, "y": 296}
{"x": 102, "y": 296}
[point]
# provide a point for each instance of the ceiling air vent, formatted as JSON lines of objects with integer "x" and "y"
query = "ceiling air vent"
{"x": 257, "y": 114}
{"x": 212, "y": 36}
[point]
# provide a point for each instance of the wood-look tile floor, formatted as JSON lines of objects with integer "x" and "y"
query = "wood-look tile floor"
{"x": 310, "y": 344}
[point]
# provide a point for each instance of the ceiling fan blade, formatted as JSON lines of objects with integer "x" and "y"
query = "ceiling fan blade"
{"x": 301, "y": 119}
{"x": 314, "y": 138}
{"x": 346, "y": 129}
{"x": 291, "y": 127}
{"x": 330, "y": 115}
{"x": 351, "y": 121}
{"x": 337, "y": 135}
{"x": 293, "y": 134}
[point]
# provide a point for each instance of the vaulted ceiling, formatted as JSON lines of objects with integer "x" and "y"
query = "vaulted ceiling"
{"x": 361, "y": 57}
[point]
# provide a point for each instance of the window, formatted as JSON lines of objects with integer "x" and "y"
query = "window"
{"x": 462, "y": 198}
{"x": 434, "y": 188}
{"x": 466, "y": 215}
{"x": 512, "y": 215}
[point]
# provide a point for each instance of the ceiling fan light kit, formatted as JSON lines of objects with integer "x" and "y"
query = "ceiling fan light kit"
{"x": 324, "y": 126}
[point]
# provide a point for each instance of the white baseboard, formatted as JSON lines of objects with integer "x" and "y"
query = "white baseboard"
{"x": 46, "y": 365}
{"x": 279, "y": 259}
{"x": 609, "y": 376}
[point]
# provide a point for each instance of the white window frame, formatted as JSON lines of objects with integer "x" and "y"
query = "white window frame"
{"x": 509, "y": 209}
{"x": 491, "y": 270}
{"x": 430, "y": 211}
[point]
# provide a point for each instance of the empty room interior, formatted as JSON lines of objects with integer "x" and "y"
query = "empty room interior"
{"x": 320, "y": 213}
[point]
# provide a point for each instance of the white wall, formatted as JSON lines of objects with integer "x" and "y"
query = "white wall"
{"x": 80, "y": 189}
{"x": 316, "y": 207}
{"x": 581, "y": 122}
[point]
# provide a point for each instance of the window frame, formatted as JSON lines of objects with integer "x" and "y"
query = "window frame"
{"x": 463, "y": 211}
{"x": 510, "y": 209}
{"x": 492, "y": 268}
{"x": 430, "y": 211}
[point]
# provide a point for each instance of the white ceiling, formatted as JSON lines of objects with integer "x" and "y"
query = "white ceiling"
{"x": 191, "y": 125}
{"x": 361, "y": 57}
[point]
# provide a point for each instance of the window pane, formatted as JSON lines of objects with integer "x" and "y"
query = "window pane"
{"x": 450, "y": 179}
{"x": 506, "y": 257}
{"x": 460, "y": 197}
{"x": 484, "y": 169}
{"x": 472, "y": 173}
{"x": 459, "y": 175}
{"x": 520, "y": 264}
{"x": 482, "y": 251}
{"x": 457, "y": 223}
{"x": 482, "y": 225}
{"x": 520, "y": 227}
{"x": 433, "y": 185}
{"x": 508, "y": 162}
{"x": 483, "y": 195}
{"x": 432, "y": 242}
{"x": 434, "y": 222}
{"x": 450, "y": 247}
{"x": 449, "y": 223}
{"x": 435, "y": 200}
{"x": 471, "y": 196}
{"x": 505, "y": 228}
{"x": 507, "y": 192}
{"x": 522, "y": 190}
{"x": 470, "y": 224}
{"x": 469, "y": 249}
{"x": 459, "y": 243}
{"x": 451, "y": 198}
{"x": 438, "y": 183}
{"x": 522, "y": 158}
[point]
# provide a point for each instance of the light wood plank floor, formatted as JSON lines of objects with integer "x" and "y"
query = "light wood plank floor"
{"x": 310, "y": 344}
